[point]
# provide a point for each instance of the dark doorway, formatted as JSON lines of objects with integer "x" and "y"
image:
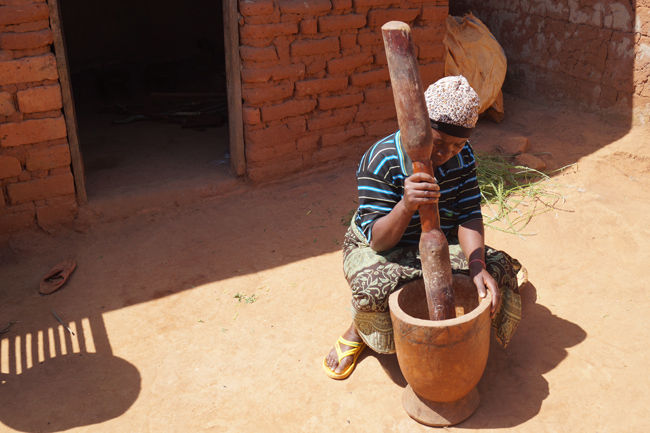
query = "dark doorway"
{"x": 149, "y": 86}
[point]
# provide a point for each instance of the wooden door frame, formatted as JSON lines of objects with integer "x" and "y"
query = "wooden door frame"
{"x": 67, "y": 98}
{"x": 233, "y": 83}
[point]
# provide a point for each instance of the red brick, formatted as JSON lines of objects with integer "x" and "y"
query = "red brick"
{"x": 341, "y": 4}
{"x": 314, "y": 47}
{"x": 315, "y": 65}
{"x": 432, "y": 34}
{"x": 266, "y": 54}
{"x": 272, "y": 136}
{"x": 305, "y": 7}
{"x": 607, "y": 97}
{"x": 334, "y": 153}
{"x": 335, "y": 118}
{"x": 36, "y": 99}
{"x": 27, "y": 40}
{"x": 297, "y": 125}
{"x": 434, "y": 14}
{"x": 256, "y": 31}
{"x": 308, "y": 143}
{"x": 9, "y": 167}
{"x": 19, "y": 152}
{"x": 432, "y": 51}
{"x": 336, "y": 23}
{"x": 381, "y": 128}
{"x": 288, "y": 109}
{"x": 24, "y": 176}
{"x": 56, "y": 211}
{"x": 28, "y": 27}
{"x": 282, "y": 44}
{"x": 40, "y": 174}
{"x": 431, "y": 73}
{"x": 58, "y": 170}
{"x": 372, "y": 3}
{"x": 277, "y": 72}
{"x": 338, "y": 138}
{"x": 269, "y": 93}
{"x": 364, "y": 79}
{"x": 273, "y": 18}
{"x": 23, "y": 13}
{"x": 268, "y": 143}
{"x": 379, "y": 95}
{"x": 369, "y": 112}
{"x": 40, "y": 189}
{"x": 380, "y": 58}
{"x": 379, "y": 17}
{"x": 619, "y": 16}
{"x": 370, "y": 38}
{"x": 48, "y": 157}
{"x": 32, "y": 131}
{"x": 6, "y": 55}
{"x": 28, "y": 69}
{"x": 32, "y": 52}
{"x": 255, "y": 7}
{"x": 348, "y": 41}
{"x": 321, "y": 85}
{"x": 309, "y": 26}
{"x": 329, "y": 102}
{"x": 7, "y": 107}
{"x": 12, "y": 220}
{"x": 349, "y": 63}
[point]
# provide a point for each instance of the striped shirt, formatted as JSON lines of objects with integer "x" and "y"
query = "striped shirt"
{"x": 380, "y": 180}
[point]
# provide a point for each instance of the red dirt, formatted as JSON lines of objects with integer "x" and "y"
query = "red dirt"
{"x": 175, "y": 346}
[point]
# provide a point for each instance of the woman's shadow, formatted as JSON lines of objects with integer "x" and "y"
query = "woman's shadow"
{"x": 512, "y": 388}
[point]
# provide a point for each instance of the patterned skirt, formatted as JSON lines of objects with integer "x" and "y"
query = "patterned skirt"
{"x": 374, "y": 276}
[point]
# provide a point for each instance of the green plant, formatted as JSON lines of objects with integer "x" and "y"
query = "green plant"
{"x": 514, "y": 194}
{"x": 247, "y": 299}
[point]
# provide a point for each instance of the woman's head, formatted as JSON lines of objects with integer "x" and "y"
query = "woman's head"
{"x": 453, "y": 111}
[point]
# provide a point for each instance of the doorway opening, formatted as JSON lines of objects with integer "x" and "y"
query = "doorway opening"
{"x": 149, "y": 86}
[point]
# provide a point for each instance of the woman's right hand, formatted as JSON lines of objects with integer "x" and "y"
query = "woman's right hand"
{"x": 419, "y": 189}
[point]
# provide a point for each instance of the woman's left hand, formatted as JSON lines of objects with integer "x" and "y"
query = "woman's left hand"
{"x": 483, "y": 279}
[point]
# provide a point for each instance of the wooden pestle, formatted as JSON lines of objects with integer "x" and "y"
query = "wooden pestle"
{"x": 417, "y": 141}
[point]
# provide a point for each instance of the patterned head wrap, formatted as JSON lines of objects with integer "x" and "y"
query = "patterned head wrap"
{"x": 452, "y": 105}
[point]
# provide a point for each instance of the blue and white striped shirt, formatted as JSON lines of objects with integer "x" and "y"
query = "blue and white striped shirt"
{"x": 380, "y": 180}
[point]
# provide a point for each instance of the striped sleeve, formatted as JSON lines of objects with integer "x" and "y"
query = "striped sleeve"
{"x": 378, "y": 195}
{"x": 469, "y": 194}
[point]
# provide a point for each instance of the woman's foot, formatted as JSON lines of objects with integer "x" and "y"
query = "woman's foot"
{"x": 332, "y": 359}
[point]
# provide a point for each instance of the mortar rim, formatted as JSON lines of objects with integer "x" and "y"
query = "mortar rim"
{"x": 396, "y": 310}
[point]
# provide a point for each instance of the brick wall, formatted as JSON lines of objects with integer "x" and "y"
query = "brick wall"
{"x": 36, "y": 183}
{"x": 588, "y": 52}
{"x": 315, "y": 84}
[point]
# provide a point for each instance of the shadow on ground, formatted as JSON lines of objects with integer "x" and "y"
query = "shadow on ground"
{"x": 513, "y": 387}
{"x": 47, "y": 370}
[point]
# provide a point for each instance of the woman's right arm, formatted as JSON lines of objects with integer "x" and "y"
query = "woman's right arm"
{"x": 419, "y": 189}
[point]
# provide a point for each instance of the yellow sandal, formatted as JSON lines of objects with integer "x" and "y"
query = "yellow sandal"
{"x": 356, "y": 350}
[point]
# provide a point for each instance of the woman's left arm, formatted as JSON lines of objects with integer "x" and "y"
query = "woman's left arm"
{"x": 472, "y": 242}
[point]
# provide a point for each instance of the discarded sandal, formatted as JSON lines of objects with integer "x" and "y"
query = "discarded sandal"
{"x": 57, "y": 277}
{"x": 356, "y": 350}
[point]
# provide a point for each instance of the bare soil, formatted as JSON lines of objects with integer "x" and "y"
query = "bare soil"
{"x": 212, "y": 311}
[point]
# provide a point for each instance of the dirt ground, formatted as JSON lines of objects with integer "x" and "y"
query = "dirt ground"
{"x": 211, "y": 311}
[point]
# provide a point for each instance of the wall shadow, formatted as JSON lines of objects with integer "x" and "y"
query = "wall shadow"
{"x": 52, "y": 380}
